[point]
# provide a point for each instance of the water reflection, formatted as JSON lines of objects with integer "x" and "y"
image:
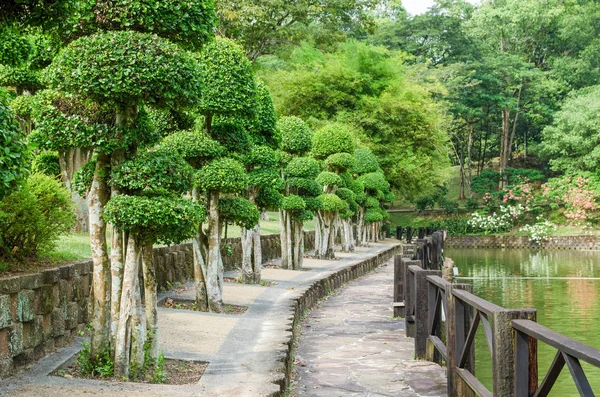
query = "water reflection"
{"x": 564, "y": 287}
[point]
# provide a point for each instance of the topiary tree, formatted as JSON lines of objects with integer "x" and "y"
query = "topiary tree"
{"x": 376, "y": 189}
{"x": 262, "y": 169}
{"x": 124, "y": 69}
{"x": 299, "y": 173}
{"x": 333, "y": 143}
{"x": 150, "y": 210}
{"x": 220, "y": 176}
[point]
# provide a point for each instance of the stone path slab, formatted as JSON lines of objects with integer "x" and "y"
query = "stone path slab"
{"x": 351, "y": 346}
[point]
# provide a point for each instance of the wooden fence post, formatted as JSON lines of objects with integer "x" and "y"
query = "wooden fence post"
{"x": 421, "y": 295}
{"x": 503, "y": 336}
{"x": 398, "y": 287}
{"x": 457, "y": 326}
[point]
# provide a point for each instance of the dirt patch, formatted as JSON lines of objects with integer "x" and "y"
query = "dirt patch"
{"x": 175, "y": 372}
{"x": 185, "y": 304}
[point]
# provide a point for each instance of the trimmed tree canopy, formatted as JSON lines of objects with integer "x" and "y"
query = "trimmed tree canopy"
{"x": 163, "y": 219}
{"x": 229, "y": 87}
{"x": 332, "y": 203}
{"x": 302, "y": 167}
{"x": 333, "y": 138}
{"x": 189, "y": 23}
{"x": 232, "y": 136}
{"x": 239, "y": 211}
{"x": 158, "y": 170}
{"x": 195, "y": 146}
{"x": 296, "y": 135}
{"x": 223, "y": 175}
{"x": 126, "y": 68}
{"x": 340, "y": 162}
{"x": 327, "y": 178}
{"x": 366, "y": 161}
{"x": 293, "y": 203}
{"x": 375, "y": 181}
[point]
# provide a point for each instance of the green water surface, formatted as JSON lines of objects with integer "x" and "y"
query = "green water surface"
{"x": 564, "y": 287}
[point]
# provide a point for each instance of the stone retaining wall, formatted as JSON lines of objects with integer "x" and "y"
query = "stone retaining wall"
{"x": 556, "y": 242}
{"x": 40, "y": 312}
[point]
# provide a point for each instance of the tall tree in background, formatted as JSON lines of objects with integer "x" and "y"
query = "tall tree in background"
{"x": 262, "y": 26}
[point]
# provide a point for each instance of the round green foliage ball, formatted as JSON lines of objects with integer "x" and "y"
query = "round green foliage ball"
{"x": 371, "y": 202}
{"x": 167, "y": 121}
{"x": 228, "y": 79}
{"x": 20, "y": 77}
{"x": 356, "y": 186}
{"x": 126, "y": 68}
{"x": 340, "y": 162}
{"x": 195, "y": 146}
{"x": 302, "y": 215}
{"x": 296, "y": 135}
{"x": 302, "y": 167}
{"x": 269, "y": 198}
{"x": 238, "y": 211}
{"x": 265, "y": 178}
{"x": 293, "y": 203}
{"x": 374, "y": 181}
{"x": 264, "y": 157}
{"x": 189, "y": 23}
{"x": 327, "y": 178}
{"x": 164, "y": 219}
{"x": 366, "y": 161}
{"x": 333, "y": 138}
{"x": 332, "y": 203}
{"x": 263, "y": 126}
{"x": 157, "y": 170}
{"x": 346, "y": 214}
{"x": 305, "y": 186}
{"x": 47, "y": 163}
{"x": 313, "y": 203}
{"x": 223, "y": 175}
{"x": 389, "y": 197}
{"x": 346, "y": 194}
{"x": 233, "y": 137}
{"x": 14, "y": 156}
{"x": 373, "y": 215}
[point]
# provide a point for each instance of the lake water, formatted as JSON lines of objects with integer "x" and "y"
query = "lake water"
{"x": 564, "y": 287}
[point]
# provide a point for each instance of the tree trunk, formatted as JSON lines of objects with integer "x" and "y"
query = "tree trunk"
{"x": 139, "y": 332}
{"x": 283, "y": 240}
{"x": 97, "y": 198}
{"x": 128, "y": 308}
{"x": 469, "y": 160}
{"x": 70, "y": 162}
{"x": 257, "y": 264}
{"x": 504, "y": 147}
{"x": 326, "y": 235}
{"x": 150, "y": 298}
{"x": 200, "y": 271}
{"x": 360, "y": 226}
{"x": 213, "y": 283}
{"x": 117, "y": 259}
{"x": 247, "y": 245}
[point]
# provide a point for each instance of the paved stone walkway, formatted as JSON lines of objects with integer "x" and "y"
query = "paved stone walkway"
{"x": 351, "y": 346}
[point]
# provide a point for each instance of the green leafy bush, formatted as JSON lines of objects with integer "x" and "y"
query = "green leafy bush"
{"x": 332, "y": 203}
{"x": 374, "y": 181}
{"x": 14, "y": 153}
{"x": 333, "y": 138}
{"x": 302, "y": 167}
{"x": 238, "y": 211}
{"x": 305, "y": 186}
{"x": 293, "y": 203}
{"x": 46, "y": 163}
{"x": 486, "y": 181}
{"x": 232, "y": 137}
{"x": 340, "y": 162}
{"x": 329, "y": 179}
{"x": 366, "y": 161}
{"x": 223, "y": 175}
{"x": 155, "y": 219}
{"x": 454, "y": 226}
{"x": 194, "y": 145}
{"x": 296, "y": 135}
{"x": 34, "y": 217}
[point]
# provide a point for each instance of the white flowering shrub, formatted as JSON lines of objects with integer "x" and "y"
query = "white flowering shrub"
{"x": 539, "y": 231}
{"x": 498, "y": 222}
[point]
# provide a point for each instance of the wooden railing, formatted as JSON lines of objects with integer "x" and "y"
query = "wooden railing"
{"x": 443, "y": 318}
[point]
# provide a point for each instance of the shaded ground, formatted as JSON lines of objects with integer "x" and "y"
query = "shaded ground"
{"x": 351, "y": 346}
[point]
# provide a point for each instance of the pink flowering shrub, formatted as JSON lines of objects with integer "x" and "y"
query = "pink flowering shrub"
{"x": 519, "y": 193}
{"x": 575, "y": 195}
